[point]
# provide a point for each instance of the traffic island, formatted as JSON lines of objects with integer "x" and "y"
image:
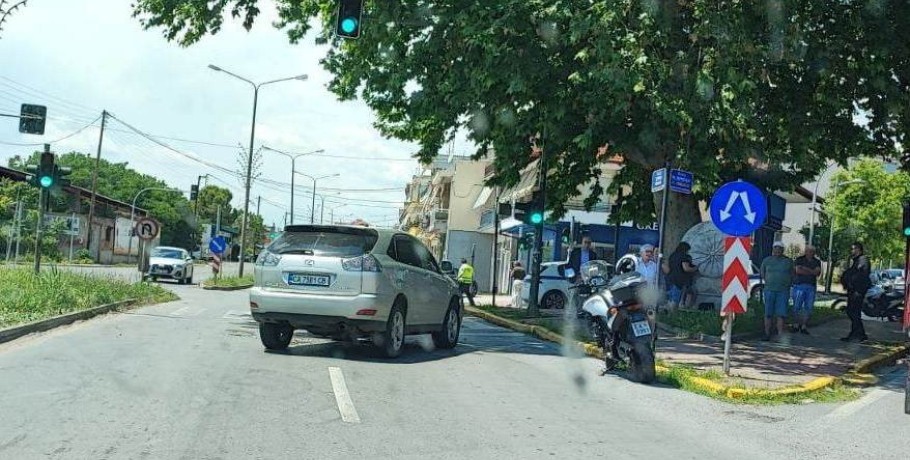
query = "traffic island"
{"x": 792, "y": 369}
{"x": 34, "y": 303}
{"x": 228, "y": 283}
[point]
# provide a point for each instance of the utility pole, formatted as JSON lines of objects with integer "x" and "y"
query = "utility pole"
{"x": 72, "y": 234}
{"x": 91, "y": 211}
{"x": 496, "y": 247}
{"x": 258, "y": 236}
{"x": 533, "y": 307}
{"x": 18, "y": 228}
{"x": 663, "y": 211}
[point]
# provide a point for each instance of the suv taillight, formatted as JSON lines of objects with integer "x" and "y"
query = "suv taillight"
{"x": 267, "y": 259}
{"x": 365, "y": 263}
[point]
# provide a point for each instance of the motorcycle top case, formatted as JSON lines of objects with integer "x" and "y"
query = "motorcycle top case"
{"x": 624, "y": 288}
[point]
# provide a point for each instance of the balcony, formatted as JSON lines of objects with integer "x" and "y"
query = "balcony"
{"x": 438, "y": 220}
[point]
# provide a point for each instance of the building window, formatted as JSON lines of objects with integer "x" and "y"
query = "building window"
{"x": 108, "y": 233}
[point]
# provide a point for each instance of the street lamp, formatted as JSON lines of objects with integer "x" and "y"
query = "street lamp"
{"x": 316, "y": 179}
{"x": 332, "y": 213}
{"x": 322, "y": 206}
{"x": 129, "y": 250}
{"x": 249, "y": 160}
{"x": 293, "y": 157}
{"x": 830, "y": 273}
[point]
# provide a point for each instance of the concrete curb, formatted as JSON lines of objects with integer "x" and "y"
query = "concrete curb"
{"x": 226, "y": 288}
{"x": 860, "y": 370}
{"x": 15, "y": 332}
{"x": 860, "y": 374}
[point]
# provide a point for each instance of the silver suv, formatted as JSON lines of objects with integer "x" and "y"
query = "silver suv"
{"x": 348, "y": 283}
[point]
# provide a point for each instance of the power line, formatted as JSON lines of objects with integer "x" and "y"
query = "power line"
{"x": 55, "y": 140}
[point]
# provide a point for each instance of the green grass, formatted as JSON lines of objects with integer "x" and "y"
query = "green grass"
{"x": 709, "y": 322}
{"x": 230, "y": 281}
{"x": 26, "y": 297}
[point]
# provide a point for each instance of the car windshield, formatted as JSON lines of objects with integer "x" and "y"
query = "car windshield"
{"x": 167, "y": 253}
{"x": 323, "y": 243}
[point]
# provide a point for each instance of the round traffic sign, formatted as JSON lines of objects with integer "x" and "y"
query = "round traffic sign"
{"x": 218, "y": 244}
{"x": 738, "y": 208}
{"x": 147, "y": 228}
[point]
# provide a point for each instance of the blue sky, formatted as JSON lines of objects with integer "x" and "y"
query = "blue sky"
{"x": 81, "y": 56}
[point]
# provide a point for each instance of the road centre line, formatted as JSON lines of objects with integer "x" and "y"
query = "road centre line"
{"x": 342, "y": 397}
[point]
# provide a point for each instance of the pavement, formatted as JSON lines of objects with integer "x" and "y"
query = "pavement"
{"x": 189, "y": 379}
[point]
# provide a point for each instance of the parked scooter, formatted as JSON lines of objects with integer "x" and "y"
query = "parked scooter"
{"x": 617, "y": 319}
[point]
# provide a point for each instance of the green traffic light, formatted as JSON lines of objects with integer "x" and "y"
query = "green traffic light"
{"x": 46, "y": 181}
{"x": 349, "y": 25}
{"x": 907, "y": 231}
{"x": 536, "y": 218}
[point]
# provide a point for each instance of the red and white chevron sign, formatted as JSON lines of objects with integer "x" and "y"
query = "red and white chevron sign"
{"x": 216, "y": 262}
{"x": 735, "y": 282}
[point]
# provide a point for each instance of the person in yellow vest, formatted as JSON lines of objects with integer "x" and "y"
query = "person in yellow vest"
{"x": 465, "y": 279}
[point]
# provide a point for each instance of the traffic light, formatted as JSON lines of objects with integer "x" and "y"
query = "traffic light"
{"x": 347, "y": 22}
{"x": 194, "y": 192}
{"x": 46, "y": 170}
{"x": 32, "y": 118}
{"x": 61, "y": 176}
{"x": 531, "y": 213}
{"x": 906, "y": 227}
{"x": 526, "y": 241}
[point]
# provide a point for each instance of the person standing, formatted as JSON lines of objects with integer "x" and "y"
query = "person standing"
{"x": 465, "y": 279}
{"x": 582, "y": 255}
{"x": 647, "y": 266}
{"x": 518, "y": 277}
{"x": 777, "y": 271}
{"x": 680, "y": 272}
{"x": 856, "y": 281}
{"x": 808, "y": 267}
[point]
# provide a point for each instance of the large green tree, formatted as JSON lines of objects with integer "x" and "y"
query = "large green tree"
{"x": 210, "y": 198}
{"x": 765, "y": 91}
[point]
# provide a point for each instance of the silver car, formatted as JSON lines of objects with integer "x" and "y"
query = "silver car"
{"x": 173, "y": 263}
{"x": 349, "y": 283}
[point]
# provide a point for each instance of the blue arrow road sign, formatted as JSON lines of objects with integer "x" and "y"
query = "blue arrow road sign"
{"x": 681, "y": 181}
{"x": 658, "y": 180}
{"x": 738, "y": 208}
{"x": 218, "y": 245}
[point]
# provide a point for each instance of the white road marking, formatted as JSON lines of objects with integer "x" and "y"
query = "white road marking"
{"x": 179, "y": 311}
{"x": 342, "y": 397}
{"x": 851, "y": 408}
{"x": 234, "y": 314}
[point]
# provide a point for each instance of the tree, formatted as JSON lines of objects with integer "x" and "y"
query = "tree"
{"x": 210, "y": 198}
{"x": 871, "y": 210}
{"x": 763, "y": 91}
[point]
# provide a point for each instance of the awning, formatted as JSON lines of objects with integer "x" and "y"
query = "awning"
{"x": 483, "y": 197}
{"x": 525, "y": 184}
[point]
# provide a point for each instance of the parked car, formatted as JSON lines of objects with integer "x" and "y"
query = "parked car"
{"x": 170, "y": 262}
{"x": 629, "y": 262}
{"x": 891, "y": 278}
{"x": 451, "y": 271}
{"x": 554, "y": 288}
{"x": 350, "y": 283}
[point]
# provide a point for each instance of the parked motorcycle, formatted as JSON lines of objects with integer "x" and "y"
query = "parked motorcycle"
{"x": 879, "y": 302}
{"x": 617, "y": 320}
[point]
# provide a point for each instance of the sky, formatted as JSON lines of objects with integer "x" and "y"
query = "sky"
{"x": 80, "y": 57}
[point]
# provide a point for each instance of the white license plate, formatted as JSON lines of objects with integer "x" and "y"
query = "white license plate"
{"x": 640, "y": 328}
{"x": 307, "y": 280}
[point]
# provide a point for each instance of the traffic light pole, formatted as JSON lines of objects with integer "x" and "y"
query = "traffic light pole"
{"x": 42, "y": 199}
{"x": 533, "y": 304}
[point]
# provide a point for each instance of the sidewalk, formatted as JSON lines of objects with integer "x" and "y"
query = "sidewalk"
{"x": 790, "y": 359}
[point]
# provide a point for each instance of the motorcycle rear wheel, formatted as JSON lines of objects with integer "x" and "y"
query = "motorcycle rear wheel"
{"x": 642, "y": 362}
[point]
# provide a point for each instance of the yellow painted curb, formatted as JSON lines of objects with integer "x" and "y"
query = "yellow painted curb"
{"x": 706, "y": 385}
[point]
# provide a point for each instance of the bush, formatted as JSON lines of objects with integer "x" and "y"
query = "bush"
{"x": 83, "y": 254}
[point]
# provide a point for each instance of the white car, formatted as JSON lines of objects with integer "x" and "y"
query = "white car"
{"x": 349, "y": 283}
{"x": 173, "y": 263}
{"x": 554, "y": 288}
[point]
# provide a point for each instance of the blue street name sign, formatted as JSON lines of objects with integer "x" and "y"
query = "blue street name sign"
{"x": 658, "y": 180}
{"x": 681, "y": 181}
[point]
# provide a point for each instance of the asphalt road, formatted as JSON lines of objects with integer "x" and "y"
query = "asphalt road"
{"x": 190, "y": 380}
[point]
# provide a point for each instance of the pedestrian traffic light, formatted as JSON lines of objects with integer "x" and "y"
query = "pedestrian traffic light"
{"x": 906, "y": 227}
{"x": 32, "y": 119}
{"x": 526, "y": 241}
{"x": 347, "y": 22}
{"x": 194, "y": 192}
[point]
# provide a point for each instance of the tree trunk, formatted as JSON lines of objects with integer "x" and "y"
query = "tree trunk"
{"x": 683, "y": 214}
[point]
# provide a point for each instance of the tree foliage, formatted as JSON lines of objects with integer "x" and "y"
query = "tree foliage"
{"x": 764, "y": 91}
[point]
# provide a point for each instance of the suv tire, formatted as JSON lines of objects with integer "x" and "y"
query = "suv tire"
{"x": 392, "y": 339}
{"x": 275, "y": 336}
{"x": 447, "y": 337}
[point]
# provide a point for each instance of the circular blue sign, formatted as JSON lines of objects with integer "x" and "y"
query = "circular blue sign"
{"x": 738, "y": 208}
{"x": 218, "y": 245}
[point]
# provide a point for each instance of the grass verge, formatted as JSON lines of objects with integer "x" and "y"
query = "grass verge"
{"x": 709, "y": 322}
{"x": 229, "y": 281}
{"x": 26, "y": 297}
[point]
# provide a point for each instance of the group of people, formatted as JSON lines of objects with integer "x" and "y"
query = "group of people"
{"x": 798, "y": 279}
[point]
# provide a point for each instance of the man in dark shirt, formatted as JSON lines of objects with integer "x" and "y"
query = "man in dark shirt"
{"x": 856, "y": 281}
{"x": 808, "y": 267}
{"x": 582, "y": 255}
{"x": 680, "y": 270}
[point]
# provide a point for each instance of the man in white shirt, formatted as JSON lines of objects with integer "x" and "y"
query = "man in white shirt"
{"x": 647, "y": 266}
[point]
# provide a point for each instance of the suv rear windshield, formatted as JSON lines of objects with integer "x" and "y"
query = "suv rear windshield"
{"x": 324, "y": 241}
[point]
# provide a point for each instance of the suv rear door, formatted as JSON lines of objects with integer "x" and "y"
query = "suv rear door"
{"x": 314, "y": 259}
{"x": 414, "y": 283}
{"x": 435, "y": 283}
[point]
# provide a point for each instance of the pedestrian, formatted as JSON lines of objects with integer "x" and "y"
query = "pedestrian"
{"x": 518, "y": 282}
{"x": 680, "y": 271}
{"x": 856, "y": 281}
{"x": 466, "y": 279}
{"x": 807, "y": 269}
{"x": 777, "y": 271}
{"x": 647, "y": 265}
{"x": 582, "y": 255}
